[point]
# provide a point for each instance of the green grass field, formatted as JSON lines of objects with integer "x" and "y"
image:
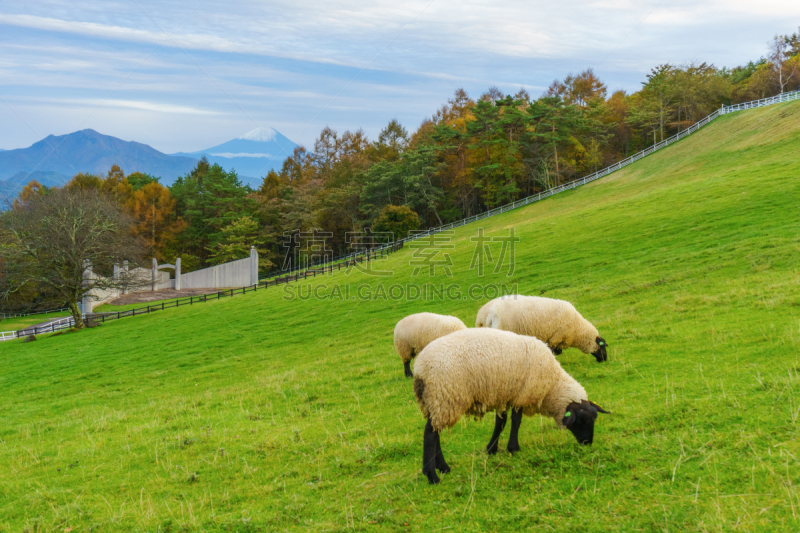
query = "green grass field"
{"x": 259, "y": 413}
{"x": 108, "y": 308}
{"x": 16, "y": 323}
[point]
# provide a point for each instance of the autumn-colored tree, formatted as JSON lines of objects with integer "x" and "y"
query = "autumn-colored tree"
{"x": 755, "y": 83}
{"x": 116, "y": 185}
{"x": 270, "y": 186}
{"x": 153, "y": 211}
{"x": 392, "y": 141}
{"x": 32, "y": 190}
{"x": 618, "y": 108}
{"x": 580, "y": 89}
{"x": 84, "y": 182}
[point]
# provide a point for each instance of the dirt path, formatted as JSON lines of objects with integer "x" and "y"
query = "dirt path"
{"x": 163, "y": 294}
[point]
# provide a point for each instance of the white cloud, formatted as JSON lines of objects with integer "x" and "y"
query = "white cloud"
{"x": 284, "y": 63}
{"x": 242, "y": 154}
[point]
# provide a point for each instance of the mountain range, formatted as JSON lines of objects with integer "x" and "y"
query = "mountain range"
{"x": 252, "y": 155}
{"x": 55, "y": 159}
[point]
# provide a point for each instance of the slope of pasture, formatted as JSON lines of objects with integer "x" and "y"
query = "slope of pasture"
{"x": 262, "y": 413}
{"x": 19, "y": 322}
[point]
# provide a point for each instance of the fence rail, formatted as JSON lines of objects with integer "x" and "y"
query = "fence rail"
{"x": 50, "y": 327}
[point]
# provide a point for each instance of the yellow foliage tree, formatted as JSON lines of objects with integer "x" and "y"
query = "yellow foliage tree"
{"x": 28, "y": 193}
{"x": 153, "y": 209}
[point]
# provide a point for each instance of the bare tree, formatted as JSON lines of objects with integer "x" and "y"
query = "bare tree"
{"x": 779, "y": 55}
{"x": 52, "y": 239}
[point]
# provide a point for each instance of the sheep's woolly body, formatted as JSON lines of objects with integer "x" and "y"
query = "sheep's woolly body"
{"x": 481, "y": 321}
{"x": 481, "y": 370}
{"x": 415, "y": 332}
{"x": 555, "y": 322}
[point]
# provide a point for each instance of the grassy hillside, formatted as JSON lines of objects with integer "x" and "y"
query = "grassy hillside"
{"x": 19, "y": 322}
{"x": 260, "y": 413}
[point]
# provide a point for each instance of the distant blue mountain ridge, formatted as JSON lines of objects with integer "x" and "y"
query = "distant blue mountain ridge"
{"x": 55, "y": 159}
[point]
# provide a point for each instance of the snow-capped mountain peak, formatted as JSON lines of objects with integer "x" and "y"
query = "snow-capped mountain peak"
{"x": 260, "y": 134}
{"x": 252, "y": 155}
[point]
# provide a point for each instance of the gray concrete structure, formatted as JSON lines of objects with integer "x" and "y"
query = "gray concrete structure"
{"x": 239, "y": 273}
{"x": 253, "y": 266}
{"x": 161, "y": 279}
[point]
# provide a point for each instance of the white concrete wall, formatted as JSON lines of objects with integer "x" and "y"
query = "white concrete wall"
{"x": 233, "y": 274}
{"x": 163, "y": 281}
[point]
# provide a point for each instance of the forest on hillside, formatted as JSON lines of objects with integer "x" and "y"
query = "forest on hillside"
{"x": 470, "y": 155}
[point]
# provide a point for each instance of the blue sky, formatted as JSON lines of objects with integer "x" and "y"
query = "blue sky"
{"x": 183, "y": 76}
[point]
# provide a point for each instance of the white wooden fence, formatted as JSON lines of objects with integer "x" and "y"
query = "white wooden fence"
{"x": 55, "y": 325}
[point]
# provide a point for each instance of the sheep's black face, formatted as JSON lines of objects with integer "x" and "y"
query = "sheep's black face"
{"x": 600, "y": 354}
{"x": 579, "y": 419}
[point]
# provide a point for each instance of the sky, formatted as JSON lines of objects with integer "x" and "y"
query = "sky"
{"x": 188, "y": 75}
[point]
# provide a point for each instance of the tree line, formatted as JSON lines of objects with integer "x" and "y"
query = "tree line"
{"x": 470, "y": 155}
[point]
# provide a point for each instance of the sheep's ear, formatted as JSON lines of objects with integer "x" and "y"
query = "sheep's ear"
{"x": 600, "y": 341}
{"x": 571, "y": 414}
{"x": 600, "y": 409}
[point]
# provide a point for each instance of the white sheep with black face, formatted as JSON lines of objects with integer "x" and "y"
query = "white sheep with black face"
{"x": 476, "y": 371}
{"x": 555, "y": 322}
{"x": 415, "y": 332}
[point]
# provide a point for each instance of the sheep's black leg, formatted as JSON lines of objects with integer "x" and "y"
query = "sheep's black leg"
{"x": 441, "y": 464}
{"x": 429, "y": 453}
{"x": 499, "y": 424}
{"x": 407, "y": 366}
{"x": 513, "y": 439}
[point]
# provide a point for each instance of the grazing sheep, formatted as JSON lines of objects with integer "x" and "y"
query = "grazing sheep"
{"x": 555, "y": 322}
{"x": 415, "y": 332}
{"x": 483, "y": 314}
{"x": 476, "y": 371}
{"x": 482, "y": 320}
